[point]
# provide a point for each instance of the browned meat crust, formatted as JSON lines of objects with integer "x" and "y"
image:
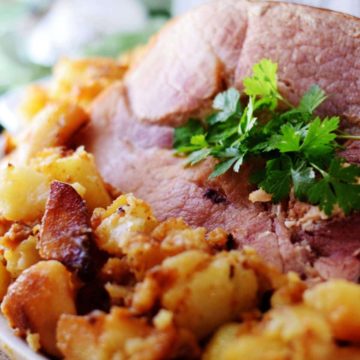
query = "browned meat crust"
{"x": 65, "y": 232}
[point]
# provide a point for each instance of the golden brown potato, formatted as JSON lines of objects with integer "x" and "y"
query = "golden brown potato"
{"x": 21, "y": 256}
{"x": 221, "y": 340}
{"x": 65, "y": 231}
{"x": 300, "y": 328}
{"x": 77, "y": 168}
{"x": 81, "y": 80}
{"x": 36, "y": 98}
{"x": 118, "y": 335}
{"x": 24, "y": 189}
{"x": 257, "y": 348}
{"x": 37, "y": 299}
{"x": 52, "y": 126}
{"x": 128, "y": 227}
{"x": 338, "y": 301}
{"x": 23, "y": 193}
{"x": 193, "y": 284}
{"x": 5, "y": 280}
{"x": 286, "y": 333}
{"x": 125, "y": 218}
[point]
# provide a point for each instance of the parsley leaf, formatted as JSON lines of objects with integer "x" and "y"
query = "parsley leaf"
{"x": 277, "y": 180}
{"x": 299, "y": 149}
{"x": 323, "y": 195}
{"x": 312, "y": 99}
{"x": 247, "y": 121}
{"x": 303, "y": 177}
{"x": 198, "y": 156}
{"x": 319, "y": 140}
{"x": 222, "y": 167}
{"x": 338, "y": 186}
{"x": 228, "y": 104}
{"x": 263, "y": 83}
{"x": 288, "y": 140}
{"x": 183, "y": 134}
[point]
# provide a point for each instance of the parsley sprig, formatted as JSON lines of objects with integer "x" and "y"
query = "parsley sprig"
{"x": 298, "y": 148}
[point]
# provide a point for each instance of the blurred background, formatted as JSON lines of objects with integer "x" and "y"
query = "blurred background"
{"x": 35, "y": 33}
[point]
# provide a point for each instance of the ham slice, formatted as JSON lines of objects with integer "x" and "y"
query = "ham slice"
{"x": 185, "y": 66}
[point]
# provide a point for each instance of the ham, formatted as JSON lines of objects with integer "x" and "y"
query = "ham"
{"x": 185, "y": 66}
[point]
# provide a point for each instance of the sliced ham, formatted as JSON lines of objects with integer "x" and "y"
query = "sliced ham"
{"x": 185, "y": 66}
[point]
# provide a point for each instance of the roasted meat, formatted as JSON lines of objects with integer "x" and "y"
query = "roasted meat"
{"x": 183, "y": 68}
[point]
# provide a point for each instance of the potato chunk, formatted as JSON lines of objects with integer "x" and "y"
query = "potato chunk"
{"x": 338, "y": 301}
{"x": 221, "y": 340}
{"x": 5, "y": 280}
{"x": 118, "y": 335}
{"x": 21, "y": 256}
{"x": 65, "y": 231}
{"x": 74, "y": 168}
{"x": 202, "y": 291}
{"x": 286, "y": 333}
{"x": 52, "y": 126}
{"x": 125, "y": 218}
{"x": 36, "y": 300}
{"x": 23, "y": 193}
{"x": 36, "y": 98}
{"x": 128, "y": 227}
{"x": 81, "y": 80}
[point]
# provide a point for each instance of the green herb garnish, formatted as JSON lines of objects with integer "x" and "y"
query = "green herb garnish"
{"x": 298, "y": 148}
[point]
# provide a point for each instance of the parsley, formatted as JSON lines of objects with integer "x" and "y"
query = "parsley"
{"x": 297, "y": 147}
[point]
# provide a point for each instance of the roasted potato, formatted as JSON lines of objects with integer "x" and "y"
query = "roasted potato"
{"x": 23, "y": 193}
{"x": 193, "y": 284}
{"x": 52, "y": 126}
{"x": 21, "y": 256}
{"x": 37, "y": 299}
{"x": 35, "y": 99}
{"x": 118, "y": 335}
{"x": 77, "y": 168}
{"x": 338, "y": 301}
{"x": 81, "y": 80}
{"x": 5, "y": 280}
{"x": 124, "y": 219}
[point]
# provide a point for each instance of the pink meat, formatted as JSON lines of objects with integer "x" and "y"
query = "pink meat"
{"x": 191, "y": 60}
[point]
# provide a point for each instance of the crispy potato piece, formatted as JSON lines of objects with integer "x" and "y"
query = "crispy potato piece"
{"x": 338, "y": 301}
{"x": 290, "y": 292}
{"x": 345, "y": 353}
{"x": 124, "y": 219}
{"x": 286, "y": 333}
{"x": 257, "y": 348}
{"x": 118, "y": 335}
{"x": 22, "y": 256}
{"x": 304, "y": 330}
{"x": 74, "y": 168}
{"x": 224, "y": 336}
{"x": 193, "y": 284}
{"x": 36, "y": 98}
{"x": 52, "y": 126}
{"x": 81, "y": 80}
{"x": 65, "y": 231}
{"x": 23, "y": 193}
{"x": 36, "y": 300}
{"x": 128, "y": 227}
{"x": 5, "y": 280}
{"x": 24, "y": 189}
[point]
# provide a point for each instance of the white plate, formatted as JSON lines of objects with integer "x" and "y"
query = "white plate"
{"x": 10, "y": 118}
{"x": 13, "y": 346}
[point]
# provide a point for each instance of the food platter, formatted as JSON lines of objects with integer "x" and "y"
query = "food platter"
{"x": 224, "y": 184}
